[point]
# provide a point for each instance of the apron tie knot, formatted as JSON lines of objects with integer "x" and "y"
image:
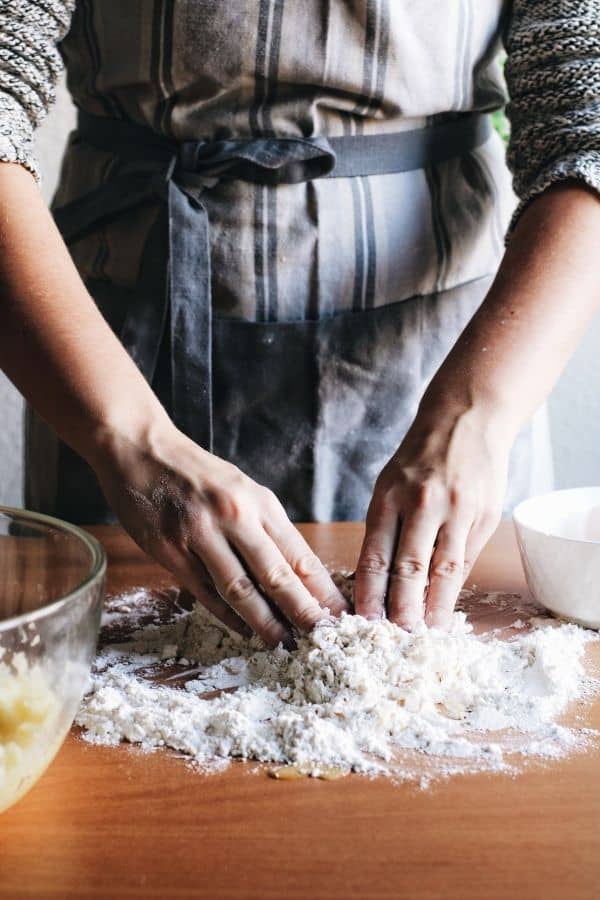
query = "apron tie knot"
{"x": 269, "y": 161}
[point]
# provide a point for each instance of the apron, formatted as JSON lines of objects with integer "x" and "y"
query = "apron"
{"x": 312, "y": 406}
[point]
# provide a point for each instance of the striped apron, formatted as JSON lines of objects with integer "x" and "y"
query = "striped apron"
{"x": 288, "y": 306}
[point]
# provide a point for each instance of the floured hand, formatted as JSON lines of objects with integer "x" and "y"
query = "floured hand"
{"x": 435, "y": 505}
{"x": 225, "y": 537}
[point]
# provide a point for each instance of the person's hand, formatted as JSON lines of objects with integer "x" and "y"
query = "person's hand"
{"x": 435, "y": 504}
{"x": 225, "y": 537}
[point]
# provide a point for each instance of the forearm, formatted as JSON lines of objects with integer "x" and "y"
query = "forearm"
{"x": 544, "y": 296}
{"x": 220, "y": 533}
{"x": 439, "y": 498}
{"x": 54, "y": 344}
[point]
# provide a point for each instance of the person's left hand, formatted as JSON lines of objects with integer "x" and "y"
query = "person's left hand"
{"x": 435, "y": 505}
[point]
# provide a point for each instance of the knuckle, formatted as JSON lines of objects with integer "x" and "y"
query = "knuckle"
{"x": 427, "y": 494}
{"x": 233, "y": 510}
{"x": 409, "y": 568}
{"x": 239, "y": 591}
{"x": 228, "y": 501}
{"x": 224, "y": 505}
{"x": 373, "y": 562}
{"x": 446, "y": 568}
{"x": 308, "y": 564}
{"x": 461, "y": 497}
{"x": 423, "y": 495}
{"x": 455, "y": 497}
{"x": 307, "y": 616}
{"x": 277, "y": 577}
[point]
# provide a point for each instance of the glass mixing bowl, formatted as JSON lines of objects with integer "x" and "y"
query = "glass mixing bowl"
{"x": 52, "y": 582}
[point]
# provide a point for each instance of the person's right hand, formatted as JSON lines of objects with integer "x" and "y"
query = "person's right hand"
{"x": 225, "y": 537}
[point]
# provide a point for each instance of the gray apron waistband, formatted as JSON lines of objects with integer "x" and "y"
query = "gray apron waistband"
{"x": 175, "y": 276}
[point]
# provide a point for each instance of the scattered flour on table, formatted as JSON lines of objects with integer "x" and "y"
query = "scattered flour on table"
{"x": 354, "y": 695}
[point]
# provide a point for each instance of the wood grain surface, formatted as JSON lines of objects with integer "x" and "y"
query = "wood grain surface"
{"x": 115, "y": 823}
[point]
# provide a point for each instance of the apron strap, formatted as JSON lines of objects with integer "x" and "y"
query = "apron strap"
{"x": 175, "y": 278}
{"x": 191, "y": 317}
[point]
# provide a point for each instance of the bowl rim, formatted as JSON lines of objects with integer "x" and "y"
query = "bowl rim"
{"x": 97, "y": 572}
{"x": 517, "y": 513}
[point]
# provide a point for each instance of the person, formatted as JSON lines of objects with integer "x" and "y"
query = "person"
{"x": 291, "y": 216}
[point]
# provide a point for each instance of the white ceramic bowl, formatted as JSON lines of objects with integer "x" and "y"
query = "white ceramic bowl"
{"x": 559, "y": 542}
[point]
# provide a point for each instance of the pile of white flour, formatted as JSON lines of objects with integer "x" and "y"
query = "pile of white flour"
{"x": 355, "y": 695}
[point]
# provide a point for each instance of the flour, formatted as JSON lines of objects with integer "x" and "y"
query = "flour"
{"x": 357, "y": 695}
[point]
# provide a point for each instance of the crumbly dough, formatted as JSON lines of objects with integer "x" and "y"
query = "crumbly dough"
{"x": 28, "y": 711}
{"x": 354, "y": 695}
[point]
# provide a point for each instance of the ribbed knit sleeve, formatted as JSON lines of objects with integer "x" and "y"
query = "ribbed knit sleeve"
{"x": 30, "y": 66}
{"x": 553, "y": 79}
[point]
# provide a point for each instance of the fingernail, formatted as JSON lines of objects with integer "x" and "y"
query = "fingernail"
{"x": 374, "y": 617}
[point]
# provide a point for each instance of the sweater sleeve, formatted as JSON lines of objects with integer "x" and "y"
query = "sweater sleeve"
{"x": 30, "y": 66}
{"x": 553, "y": 79}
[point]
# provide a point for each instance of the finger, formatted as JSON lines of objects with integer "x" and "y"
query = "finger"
{"x": 446, "y": 573}
{"x": 193, "y": 576}
{"x": 306, "y": 564}
{"x": 239, "y": 591}
{"x": 374, "y": 562}
{"x": 410, "y": 569}
{"x": 277, "y": 579}
{"x": 478, "y": 537}
{"x": 208, "y": 597}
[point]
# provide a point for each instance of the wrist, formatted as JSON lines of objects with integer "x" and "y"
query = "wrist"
{"x": 110, "y": 442}
{"x": 481, "y": 377}
{"x": 484, "y": 413}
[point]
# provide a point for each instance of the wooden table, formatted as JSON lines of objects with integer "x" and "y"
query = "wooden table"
{"x": 113, "y": 823}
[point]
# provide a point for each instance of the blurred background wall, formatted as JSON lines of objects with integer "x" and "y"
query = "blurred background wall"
{"x": 574, "y": 405}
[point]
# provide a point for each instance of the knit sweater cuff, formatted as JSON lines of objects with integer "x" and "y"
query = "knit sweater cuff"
{"x": 553, "y": 78}
{"x": 582, "y": 167}
{"x": 16, "y": 135}
{"x": 30, "y": 65}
